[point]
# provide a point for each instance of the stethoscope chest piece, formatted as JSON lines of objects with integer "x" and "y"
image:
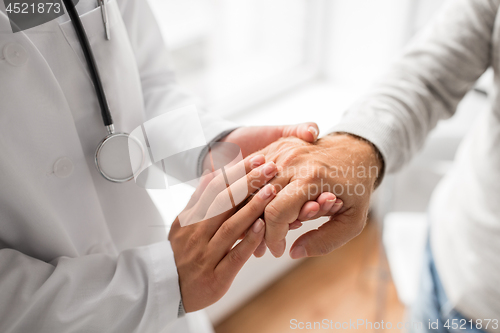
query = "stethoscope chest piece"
{"x": 119, "y": 157}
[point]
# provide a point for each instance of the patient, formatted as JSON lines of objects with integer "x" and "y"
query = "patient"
{"x": 382, "y": 132}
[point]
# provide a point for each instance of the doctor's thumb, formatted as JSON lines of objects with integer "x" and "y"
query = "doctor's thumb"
{"x": 307, "y": 131}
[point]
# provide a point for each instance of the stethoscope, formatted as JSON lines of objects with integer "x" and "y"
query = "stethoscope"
{"x": 112, "y": 156}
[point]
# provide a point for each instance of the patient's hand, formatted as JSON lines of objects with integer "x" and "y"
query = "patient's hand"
{"x": 253, "y": 139}
{"x": 339, "y": 163}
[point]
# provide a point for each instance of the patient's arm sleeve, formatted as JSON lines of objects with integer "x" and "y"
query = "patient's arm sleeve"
{"x": 426, "y": 84}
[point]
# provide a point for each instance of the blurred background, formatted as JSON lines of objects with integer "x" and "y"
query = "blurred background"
{"x": 274, "y": 62}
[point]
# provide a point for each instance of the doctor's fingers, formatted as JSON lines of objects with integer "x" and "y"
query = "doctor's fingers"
{"x": 284, "y": 210}
{"x": 223, "y": 178}
{"x": 307, "y": 131}
{"x": 205, "y": 179}
{"x": 229, "y": 232}
{"x": 234, "y": 260}
{"x": 260, "y": 250}
{"x": 225, "y": 204}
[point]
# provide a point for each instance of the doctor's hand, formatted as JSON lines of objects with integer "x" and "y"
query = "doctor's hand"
{"x": 253, "y": 139}
{"x": 205, "y": 254}
{"x": 342, "y": 164}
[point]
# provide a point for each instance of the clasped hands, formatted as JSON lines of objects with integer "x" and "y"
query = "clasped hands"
{"x": 290, "y": 178}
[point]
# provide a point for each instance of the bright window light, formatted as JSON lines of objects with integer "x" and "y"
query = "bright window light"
{"x": 227, "y": 48}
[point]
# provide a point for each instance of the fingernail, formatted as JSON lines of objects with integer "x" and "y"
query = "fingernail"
{"x": 257, "y": 160}
{"x": 267, "y": 191}
{"x": 313, "y": 131}
{"x": 269, "y": 169}
{"x": 337, "y": 205}
{"x": 280, "y": 249}
{"x": 311, "y": 214}
{"x": 257, "y": 226}
{"x": 328, "y": 205}
{"x": 298, "y": 252}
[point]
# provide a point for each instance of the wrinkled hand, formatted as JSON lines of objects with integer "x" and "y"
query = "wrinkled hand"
{"x": 342, "y": 164}
{"x": 206, "y": 259}
{"x": 253, "y": 139}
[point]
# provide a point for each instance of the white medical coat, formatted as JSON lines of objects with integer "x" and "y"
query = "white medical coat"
{"x": 78, "y": 253}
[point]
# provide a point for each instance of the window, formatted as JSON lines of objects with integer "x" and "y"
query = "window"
{"x": 236, "y": 53}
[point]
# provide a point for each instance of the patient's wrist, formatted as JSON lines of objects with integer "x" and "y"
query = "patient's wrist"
{"x": 369, "y": 153}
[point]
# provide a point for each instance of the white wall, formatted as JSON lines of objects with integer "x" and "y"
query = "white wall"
{"x": 364, "y": 36}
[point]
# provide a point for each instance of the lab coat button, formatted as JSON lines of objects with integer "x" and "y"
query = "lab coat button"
{"x": 63, "y": 168}
{"x": 15, "y": 54}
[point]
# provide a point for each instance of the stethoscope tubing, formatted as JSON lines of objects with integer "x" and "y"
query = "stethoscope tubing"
{"x": 101, "y": 96}
{"x": 90, "y": 59}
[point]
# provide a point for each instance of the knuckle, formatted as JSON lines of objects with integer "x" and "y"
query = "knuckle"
{"x": 199, "y": 259}
{"x": 216, "y": 185}
{"x": 253, "y": 240}
{"x": 192, "y": 243}
{"x": 220, "y": 199}
{"x": 220, "y": 204}
{"x": 235, "y": 257}
{"x": 226, "y": 233}
{"x": 323, "y": 248}
{"x": 292, "y": 153}
{"x": 272, "y": 215}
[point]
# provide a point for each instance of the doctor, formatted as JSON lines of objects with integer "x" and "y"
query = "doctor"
{"x": 77, "y": 252}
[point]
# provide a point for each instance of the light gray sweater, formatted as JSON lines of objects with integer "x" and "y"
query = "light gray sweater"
{"x": 423, "y": 87}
